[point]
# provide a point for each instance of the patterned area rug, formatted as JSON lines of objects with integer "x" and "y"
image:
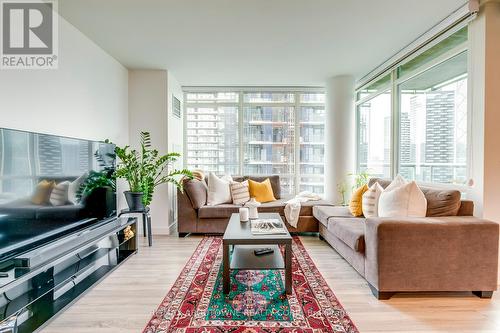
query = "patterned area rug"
{"x": 256, "y": 303}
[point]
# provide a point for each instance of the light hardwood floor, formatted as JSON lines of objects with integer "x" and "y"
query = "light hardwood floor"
{"x": 125, "y": 300}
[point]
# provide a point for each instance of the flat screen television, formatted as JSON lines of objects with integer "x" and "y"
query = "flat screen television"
{"x": 51, "y": 186}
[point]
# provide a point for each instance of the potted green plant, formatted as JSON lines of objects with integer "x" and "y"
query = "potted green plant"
{"x": 144, "y": 170}
{"x": 98, "y": 179}
{"x": 360, "y": 179}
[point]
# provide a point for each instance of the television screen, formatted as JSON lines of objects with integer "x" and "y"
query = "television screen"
{"x": 51, "y": 186}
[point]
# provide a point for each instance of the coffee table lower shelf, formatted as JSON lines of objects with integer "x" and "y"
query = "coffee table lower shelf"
{"x": 238, "y": 235}
{"x": 243, "y": 257}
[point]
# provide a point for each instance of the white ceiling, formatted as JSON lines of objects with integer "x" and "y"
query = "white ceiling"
{"x": 255, "y": 42}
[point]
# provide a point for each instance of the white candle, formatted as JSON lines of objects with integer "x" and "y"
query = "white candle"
{"x": 244, "y": 214}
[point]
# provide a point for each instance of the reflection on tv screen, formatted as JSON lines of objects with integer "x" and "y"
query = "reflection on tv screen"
{"x": 50, "y": 183}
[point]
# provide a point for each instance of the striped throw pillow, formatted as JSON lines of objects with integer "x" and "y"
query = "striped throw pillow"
{"x": 370, "y": 200}
{"x": 59, "y": 195}
{"x": 239, "y": 192}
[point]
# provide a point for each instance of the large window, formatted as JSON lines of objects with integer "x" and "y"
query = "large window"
{"x": 258, "y": 133}
{"x": 418, "y": 110}
{"x": 433, "y": 124}
{"x": 374, "y": 148}
{"x": 212, "y": 132}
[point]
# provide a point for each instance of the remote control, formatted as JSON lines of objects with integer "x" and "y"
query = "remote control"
{"x": 261, "y": 252}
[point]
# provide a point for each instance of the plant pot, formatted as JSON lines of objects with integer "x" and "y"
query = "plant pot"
{"x": 134, "y": 200}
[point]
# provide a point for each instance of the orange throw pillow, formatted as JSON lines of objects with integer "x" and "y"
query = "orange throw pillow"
{"x": 42, "y": 192}
{"x": 262, "y": 192}
{"x": 356, "y": 204}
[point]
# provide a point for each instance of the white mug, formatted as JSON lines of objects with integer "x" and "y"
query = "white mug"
{"x": 244, "y": 214}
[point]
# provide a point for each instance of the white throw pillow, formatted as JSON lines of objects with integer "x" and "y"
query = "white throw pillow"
{"x": 218, "y": 190}
{"x": 73, "y": 188}
{"x": 397, "y": 182}
{"x": 406, "y": 200}
{"x": 370, "y": 200}
{"x": 59, "y": 194}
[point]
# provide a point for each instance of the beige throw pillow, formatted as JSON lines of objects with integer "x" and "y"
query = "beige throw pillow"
{"x": 370, "y": 200}
{"x": 239, "y": 192}
{"x": 218, "y": 190}
{"x": 74, "y": 187}
{"x": 402, "y": 200}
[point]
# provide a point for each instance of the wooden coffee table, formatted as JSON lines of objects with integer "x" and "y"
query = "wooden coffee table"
{"x": 239, "y": 235}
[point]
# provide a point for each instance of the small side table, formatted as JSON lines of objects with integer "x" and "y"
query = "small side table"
{"x": 146, "y": 221}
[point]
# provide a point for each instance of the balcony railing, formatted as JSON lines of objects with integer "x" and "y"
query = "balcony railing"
{"x": 447, "y": 173}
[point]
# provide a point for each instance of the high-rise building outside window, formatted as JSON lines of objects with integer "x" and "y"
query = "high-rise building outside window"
{"x": 433, "y": 118}
{"x": 259, "y": 132}
{"x": 374, "y": 135}
{"x": 413, "y": 119}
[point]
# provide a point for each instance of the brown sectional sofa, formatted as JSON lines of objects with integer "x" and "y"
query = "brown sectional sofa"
{"x": 449, "y": 250}
{"x": 194, "y": 216}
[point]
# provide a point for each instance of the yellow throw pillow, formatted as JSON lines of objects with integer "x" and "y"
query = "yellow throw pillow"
{"x": 42, "y": 192}
{"x": 356, "y": 204}
{"x": 262, "y": 192}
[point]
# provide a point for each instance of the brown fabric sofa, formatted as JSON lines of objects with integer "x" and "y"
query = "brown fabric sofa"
{"x": 448, "y": 250}
{"x": 194, "y": 216}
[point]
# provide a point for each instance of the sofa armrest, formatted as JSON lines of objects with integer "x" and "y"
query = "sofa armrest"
{"x": 187, "y": 216}
{"x": 456, "y": 253}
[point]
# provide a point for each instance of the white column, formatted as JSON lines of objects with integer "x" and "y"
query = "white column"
{"x": 339, "y": 134}
{"x": 484, "y": 73}
{"x": 148, "y": 107}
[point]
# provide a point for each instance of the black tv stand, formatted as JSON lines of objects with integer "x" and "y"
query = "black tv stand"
{"x": 36, "y": 285}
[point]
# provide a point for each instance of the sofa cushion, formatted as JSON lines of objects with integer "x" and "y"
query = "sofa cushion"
{"x": 323, "y": 213}
{"x": 196, "y": 191}
{"x": 382, "y": 182}
{"x": 350, "y": 230}
{"x": 440, "y": 202}
{"x": 466, "y": 208}
{"x": 306, "y": 208}
{"x": 277, "y": 206}
{"x": 225, "y": 210}
{"x": 217, "y": 212}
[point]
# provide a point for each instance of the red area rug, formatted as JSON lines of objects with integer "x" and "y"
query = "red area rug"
{"x": 256, "y": 303}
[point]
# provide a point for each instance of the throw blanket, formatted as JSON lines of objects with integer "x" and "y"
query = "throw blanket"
{"x": 292, "y": 208}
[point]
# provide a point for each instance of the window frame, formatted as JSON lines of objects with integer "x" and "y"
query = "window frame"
{"x": 393, "y": 86}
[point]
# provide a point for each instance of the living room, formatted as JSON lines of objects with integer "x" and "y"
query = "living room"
{"x": 260, "y": 166}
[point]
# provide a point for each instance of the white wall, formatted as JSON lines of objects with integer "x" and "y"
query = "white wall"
{"x": 148, "y": 111}
{"x": 175, "y": 141}
{"x": 86, "y": 97}
{"x": 175, "y": 125}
